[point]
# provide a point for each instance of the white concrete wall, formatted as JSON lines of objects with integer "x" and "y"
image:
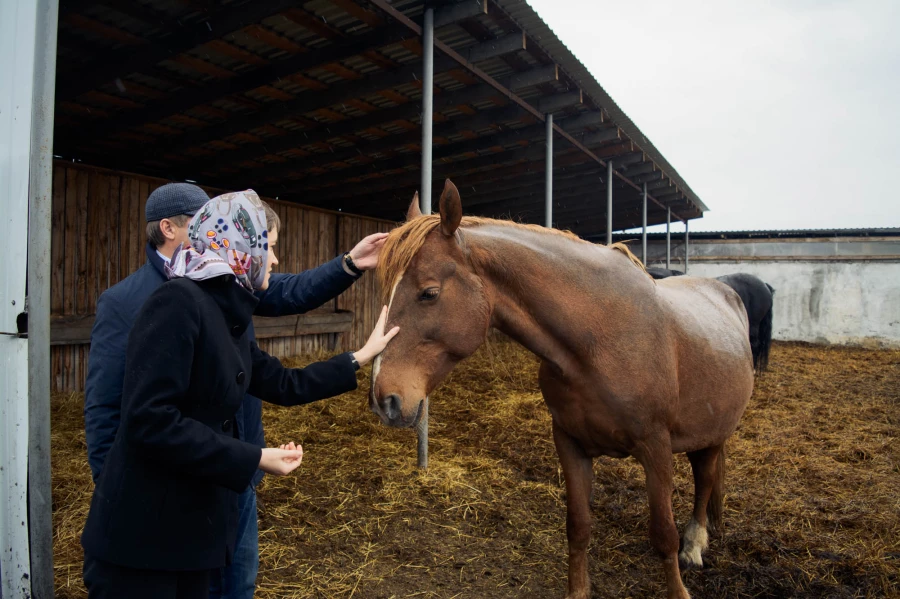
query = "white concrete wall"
{"x": 846, "y": 302}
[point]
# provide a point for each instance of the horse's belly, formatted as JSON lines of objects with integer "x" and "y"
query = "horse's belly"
{"x": 703, "y": 413}
{"x": 709, "y": 411}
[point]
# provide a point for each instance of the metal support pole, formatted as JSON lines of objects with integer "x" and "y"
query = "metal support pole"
{"x": 687, "y": 237}
{"x": 668, "y": 237}
{"x": 609, "y": 180}
{"x": 425, "y": 187}
{"x": 20, "y": 43}
{"x": 548, "y": 176}
{"x": 427, "y": 108}
{"x": 40, "y": 510}
{"x": 644, "y": 228}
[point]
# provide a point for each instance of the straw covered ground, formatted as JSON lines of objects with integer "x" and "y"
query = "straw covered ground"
{"x": 812, "y": 507}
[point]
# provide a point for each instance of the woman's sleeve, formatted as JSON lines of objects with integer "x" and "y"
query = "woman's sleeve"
{"x": 160, "y": 353}
{"x": 276, "y": 384}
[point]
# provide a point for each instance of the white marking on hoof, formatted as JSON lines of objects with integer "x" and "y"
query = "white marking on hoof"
{"x": 696, "y": 540}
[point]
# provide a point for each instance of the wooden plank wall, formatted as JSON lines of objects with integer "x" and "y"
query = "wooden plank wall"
{"x": 98, "y": 239}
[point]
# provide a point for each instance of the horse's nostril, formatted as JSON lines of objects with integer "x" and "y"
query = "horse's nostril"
{"x": 391, "y": 406}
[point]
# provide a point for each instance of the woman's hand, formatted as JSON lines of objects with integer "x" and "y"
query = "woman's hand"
{"x": 365, "y": 253}
{"x": 378, "y": 340}
{"x": 281, "y": 461}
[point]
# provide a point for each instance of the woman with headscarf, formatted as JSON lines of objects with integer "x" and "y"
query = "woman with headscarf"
{"x": 164, "y": 511}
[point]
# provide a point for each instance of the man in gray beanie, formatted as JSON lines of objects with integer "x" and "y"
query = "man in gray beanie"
{"x": 168, "y": 212}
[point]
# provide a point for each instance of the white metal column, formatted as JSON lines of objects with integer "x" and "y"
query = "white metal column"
{"x": 687, "y": 239}
{"x": 425, "y": 187}
{"x": 18, "y": 42}
{"x": 644, "y": 228}
{"x": 668, "y": 237}
{"x": 548, "y": 175}
{"x": 427, "y": 108}
{"x": 40, "y": 509}
{"x": 609, "y": 180}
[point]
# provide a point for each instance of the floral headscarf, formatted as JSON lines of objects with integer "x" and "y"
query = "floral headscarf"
{"x": 227, "y": 236}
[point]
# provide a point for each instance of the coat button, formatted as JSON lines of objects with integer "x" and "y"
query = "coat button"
{"x": 240, "y": 378}
{"x": 236, "y": 330}
{"x": 226, "y": 426}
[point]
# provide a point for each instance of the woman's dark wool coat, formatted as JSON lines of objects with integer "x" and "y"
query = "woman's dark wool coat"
{"x": 167, "y": 495}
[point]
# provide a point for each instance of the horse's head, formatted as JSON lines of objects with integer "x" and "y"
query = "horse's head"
{"x": 436, "y": 299}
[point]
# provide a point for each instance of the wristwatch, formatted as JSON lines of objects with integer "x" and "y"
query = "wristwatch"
{"x": 349, "y": 262}
{"x": 354, "y": 362}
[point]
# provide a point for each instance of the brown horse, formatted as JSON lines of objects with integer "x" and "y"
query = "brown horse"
{"x": 629, "y": 366}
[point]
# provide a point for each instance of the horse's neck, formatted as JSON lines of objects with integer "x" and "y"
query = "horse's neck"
{"x": 545, "y": 287}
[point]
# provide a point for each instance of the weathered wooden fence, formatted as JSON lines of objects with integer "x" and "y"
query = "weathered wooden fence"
{"x": 98, "y": 239}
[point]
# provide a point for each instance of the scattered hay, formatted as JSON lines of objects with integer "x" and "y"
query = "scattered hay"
{"x": 812, "y": 509}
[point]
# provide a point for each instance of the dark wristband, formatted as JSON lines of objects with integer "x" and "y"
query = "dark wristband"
{"x": 349, "y": 262}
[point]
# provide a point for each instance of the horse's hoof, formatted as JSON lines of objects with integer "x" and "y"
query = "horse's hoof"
{"x": 690, "y": 559}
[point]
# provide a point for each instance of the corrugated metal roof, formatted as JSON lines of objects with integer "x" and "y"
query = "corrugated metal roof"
{"x": 775, "y": 233}
{"x": 525, "y": 16}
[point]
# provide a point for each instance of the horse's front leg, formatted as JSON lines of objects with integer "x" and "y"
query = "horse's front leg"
{"x": 656, "y": 458}
{"x": 577, "y": 469}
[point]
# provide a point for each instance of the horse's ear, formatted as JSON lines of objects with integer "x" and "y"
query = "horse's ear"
{"x": 451, "y": 209}
{"x": 414, "y": 211}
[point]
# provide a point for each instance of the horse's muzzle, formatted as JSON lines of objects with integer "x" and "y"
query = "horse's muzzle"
{"x": 390, "y": 410}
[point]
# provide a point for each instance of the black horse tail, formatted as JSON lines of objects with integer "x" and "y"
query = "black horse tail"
{"x": 715, "y": 507}
{"x": 761, "y": 359}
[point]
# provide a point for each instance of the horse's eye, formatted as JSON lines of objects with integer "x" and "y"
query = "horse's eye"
{"x": 429, "y": 294}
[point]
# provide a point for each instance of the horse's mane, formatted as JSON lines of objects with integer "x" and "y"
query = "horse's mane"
{"x": 405, "y": 241}
{"x": 620, "y": 246}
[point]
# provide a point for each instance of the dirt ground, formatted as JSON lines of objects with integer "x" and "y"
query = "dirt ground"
{"x": 812, "y": 506}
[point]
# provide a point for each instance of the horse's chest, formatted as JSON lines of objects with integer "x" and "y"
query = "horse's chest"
{"x": 582, "y": 412}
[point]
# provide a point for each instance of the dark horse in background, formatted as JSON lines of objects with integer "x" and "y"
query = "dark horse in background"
{"x": 757, "y": 297}
{"x": 629, "y": 366}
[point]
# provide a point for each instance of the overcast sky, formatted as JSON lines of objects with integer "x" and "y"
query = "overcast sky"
{"x": 777, "y": 114}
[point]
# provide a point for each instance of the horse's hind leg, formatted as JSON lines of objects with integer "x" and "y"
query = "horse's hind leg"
{"x": 579, "y": 474}
{"x": 705, "y": 464}
{"x": 657, "y": 462}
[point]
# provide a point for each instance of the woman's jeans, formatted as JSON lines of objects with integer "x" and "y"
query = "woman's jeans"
{"x": 238, "y": 581}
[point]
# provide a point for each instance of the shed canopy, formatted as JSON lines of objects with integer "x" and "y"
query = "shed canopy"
{"x": 319, "y": 103}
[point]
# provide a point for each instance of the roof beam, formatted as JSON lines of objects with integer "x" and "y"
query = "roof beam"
{"x": 507, "y": 44}
{"x": 460, "y": 11}
{"x": 639, "y": 169}
{"x": 580, "y": 121}
{"x": 120, "y": 64}
{"x": 654, "y": 176}
{"x": 661, "y": 184}
{"x": 595, "y": 138}
{"x": 557, "y": 102}
{"x": 531, "y": 77}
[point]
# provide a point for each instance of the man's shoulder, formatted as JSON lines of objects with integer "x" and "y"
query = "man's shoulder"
{"x": 130, "y": 293}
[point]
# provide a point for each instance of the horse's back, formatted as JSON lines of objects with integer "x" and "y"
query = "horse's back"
{"x": 715, "y": 373}
{"x": 706, "y": 304}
